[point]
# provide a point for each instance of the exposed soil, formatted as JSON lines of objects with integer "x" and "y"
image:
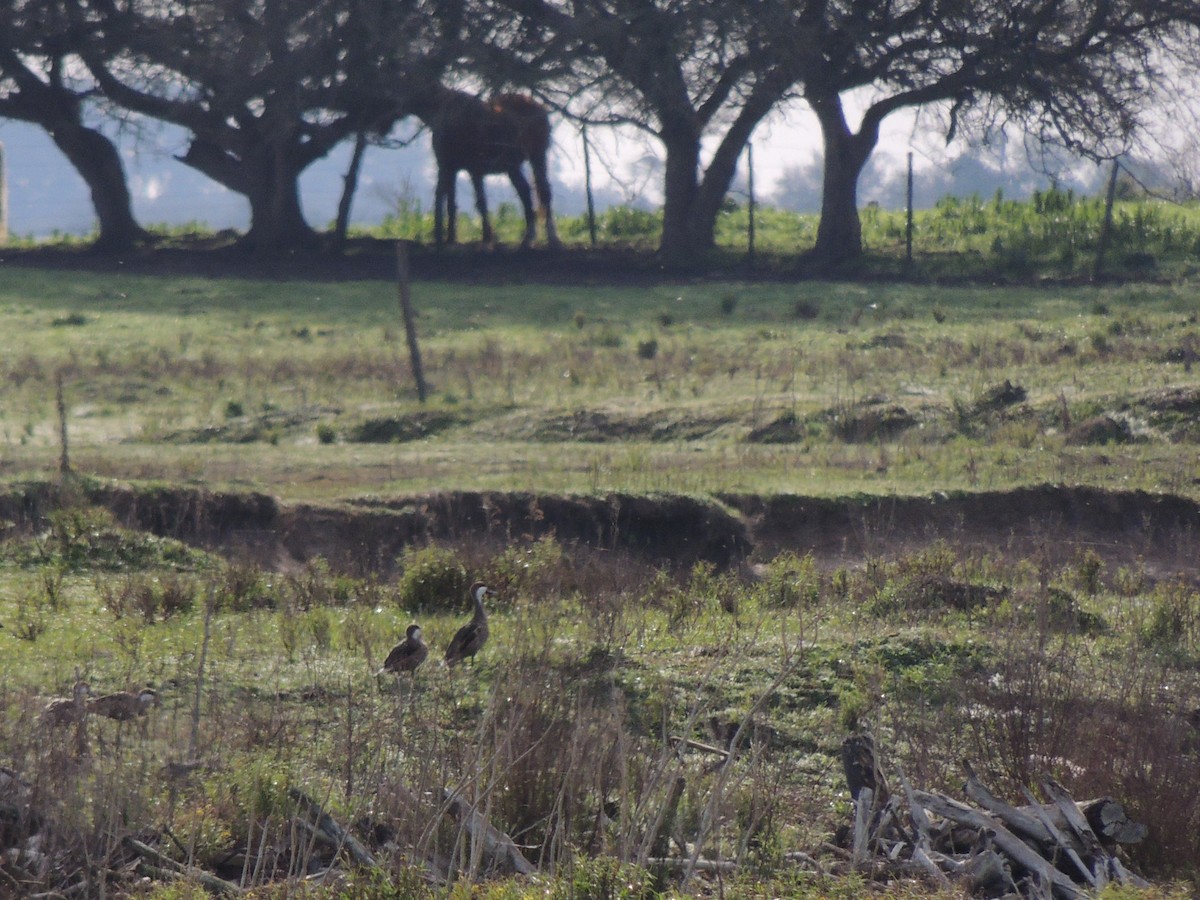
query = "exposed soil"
{"x": 1050, "y": 522}
{"x": 1047, "y": 523}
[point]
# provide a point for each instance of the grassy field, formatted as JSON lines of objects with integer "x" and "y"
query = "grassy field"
{"x": 304, "y": 389}
{"x": 1060, "y": 660}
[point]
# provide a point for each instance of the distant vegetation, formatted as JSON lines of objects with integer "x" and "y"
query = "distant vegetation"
{"x": 1055, "y": 234}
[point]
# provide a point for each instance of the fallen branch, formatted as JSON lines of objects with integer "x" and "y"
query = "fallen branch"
{"x": 498, "y": 846}
{"x": 325, "y": 823}
{"x": 676, "y": 740}
{"x": 157, "y": 865}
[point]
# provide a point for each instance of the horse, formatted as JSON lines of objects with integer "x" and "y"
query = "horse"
{"x": 487, "y": 137}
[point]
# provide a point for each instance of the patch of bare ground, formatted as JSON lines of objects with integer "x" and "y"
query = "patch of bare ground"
{"x": 1157, "y": 532}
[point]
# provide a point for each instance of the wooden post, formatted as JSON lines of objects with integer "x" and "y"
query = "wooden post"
{"x": 410, "y": 320}
{"x": 64, "y": 459}
{"x": 908, "y": 225}
{"x": 1106, "y": 226}
{"x": 3, "y": 200}
{"x": 587, "y": 185}
{"x": 750, "y": 189}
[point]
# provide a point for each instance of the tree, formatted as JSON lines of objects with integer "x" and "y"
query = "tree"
{"x": 681, "y": 70}
{"x": 40, "y": 83}
{"x": 264, "y": 88}
{"x": 1076, "y": 73}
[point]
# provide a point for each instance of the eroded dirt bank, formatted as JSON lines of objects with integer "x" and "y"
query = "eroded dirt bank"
{"x": 1158, "y": 532}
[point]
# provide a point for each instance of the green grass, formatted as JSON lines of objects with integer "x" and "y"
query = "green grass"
{"x": 671, "y": 387}
{"x": 1062, "y": 660}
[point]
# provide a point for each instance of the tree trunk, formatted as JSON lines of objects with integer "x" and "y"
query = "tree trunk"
{"x": 680, "y": 188}
{"x": 276, "y": 220}
{"x": 839, "y": 232}
{"x": 269, "y": 179}
{"x": 99, "y": 164}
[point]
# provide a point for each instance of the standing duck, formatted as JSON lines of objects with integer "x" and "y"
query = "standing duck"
{"x": 406, "y": 655}
{"x": 470, "y": 639}
{"x": 68, "y": 710}
{"x": 124, "y": 705}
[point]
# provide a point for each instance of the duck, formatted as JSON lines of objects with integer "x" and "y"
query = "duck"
{"x": 406, "y": 655}
{"x": 469, "y": 639}
{"x": 124, "y": 705}
{"x": 68, "y": 710}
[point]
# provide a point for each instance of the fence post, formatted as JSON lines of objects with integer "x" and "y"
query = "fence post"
{"x": 3, "y": 199}
{"x": 403, "y": 285}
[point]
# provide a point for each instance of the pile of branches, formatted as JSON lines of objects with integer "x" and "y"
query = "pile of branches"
{"x": 1057, "y": 848}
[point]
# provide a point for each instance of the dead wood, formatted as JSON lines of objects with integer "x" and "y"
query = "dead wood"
{"x": 1007, "y": 842}
{"x": 1058, "y": 849}
{"x": 336, "y": 833}
{"x": 157, "y": 865}
{"x": 499, "y": 848}
{"x": 675, "y": 740}
{"x": 1095, "y": 879}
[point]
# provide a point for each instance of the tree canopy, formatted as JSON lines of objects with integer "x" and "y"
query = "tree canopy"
{"x": 266, "y": 87}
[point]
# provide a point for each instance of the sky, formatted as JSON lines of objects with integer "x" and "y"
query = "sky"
{"x": 46, "y": 196}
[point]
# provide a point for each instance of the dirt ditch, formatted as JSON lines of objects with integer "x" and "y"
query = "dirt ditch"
{"x": 1160, "y": 533}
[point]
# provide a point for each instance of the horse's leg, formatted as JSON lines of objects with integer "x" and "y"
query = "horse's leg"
{"x": 541, "y": 181}
{"x": 489, "y": 239}
{"x": 443, "y": 202}
{"x": 521, "y": 184}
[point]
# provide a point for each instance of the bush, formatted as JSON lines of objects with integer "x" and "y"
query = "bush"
{"x": 154, "y": 598}
{"x": 531, "y": 568}
{"x": 433, "y": 578}
{"x": 791, "y": 581}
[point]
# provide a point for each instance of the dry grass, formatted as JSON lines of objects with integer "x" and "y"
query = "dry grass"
{"x": 561, "y": 731}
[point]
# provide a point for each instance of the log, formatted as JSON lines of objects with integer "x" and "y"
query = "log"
{"x": 498, "y": 846}
{"x": 160, "y": 866}
{"x": 920, "y": 820}
{"x": 1075, "y": 819}
{"x": 1105, "y": 815}
{"x": 1095, "y": 879}
{"x": 675, "y": 740}
{"x": 1021, "y": 821}
{"x": 336, "y": 832}
{"x": 1108, "y": 819}
{"x": 987, "y": 868}
{"x": 1008, "y": 843}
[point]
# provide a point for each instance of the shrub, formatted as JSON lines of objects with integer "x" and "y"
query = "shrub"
{"x": 243, "y": 587}
{"x": 153, "y": 597}
{"x": 605, "y": 878}
{"x": 790, "y": 581}
{"x": 647, "y": 349}
{"x": 528, "y": 568}
{"x": 1173, "y": 622}
{"x": 433, "y": 578}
